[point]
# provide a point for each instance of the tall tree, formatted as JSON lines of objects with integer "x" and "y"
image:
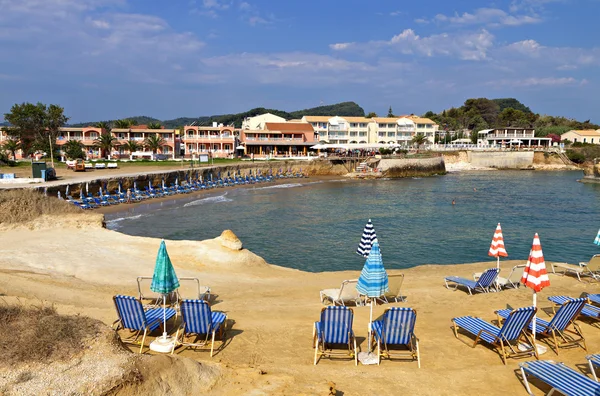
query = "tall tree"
{"x": 154, "y": 142}
{"x": 35, "y": 126}
{"x": 105, "y": 142}
{"x": 104, "y": 125}
{"x": 371, "y": 115}
{"x": 419, "y": 139}
{"x": 131, "y": 146}
{"x": 125, "y": 123}
{"x": 154, "y": 125}
{"x": 486, "y": 108}
{"x": 73, "y": 149}
{"x": 390, "y": 112}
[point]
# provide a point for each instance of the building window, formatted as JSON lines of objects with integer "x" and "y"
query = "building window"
{"x": 381, "y": 125}
{"x": 362, "y": 134}
{"x": 574, "y": 140}
{"x": 353, "y": 133}
{"x": 584, "y": 140}
{"x": 391, "y": 134}
{"x": 353, "y": 125}
{"x": 391, "y": 125}
{"x": 381, "y": 134}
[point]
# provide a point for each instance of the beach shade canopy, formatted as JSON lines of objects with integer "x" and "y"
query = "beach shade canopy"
{"x": 366, "y": 240}
{"x": 596, "y": 241}
{"x": 373, "y": 280}
{"x": 164, "y": 280}
{"x": 497, "y": 248}
{"x": 534, "y": 274}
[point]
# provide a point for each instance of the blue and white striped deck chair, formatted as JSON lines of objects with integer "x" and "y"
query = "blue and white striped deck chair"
{"x": 335, "y": 328}
{"x": 504, "y": 339}
{"x": 133, "y": 318}
{"x": 397, "y": 328}
{"x": 559, "y": 327}
{"x": 595, "y": 298}
{"x": 197, "y": 319}
{"x": 560, "y": 377}
{"x": 483, "y": 284}
{"x": 594, "y": 361}
{"x": 589, "y": 310}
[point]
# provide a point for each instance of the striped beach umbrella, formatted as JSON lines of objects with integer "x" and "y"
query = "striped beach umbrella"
{"x": 534, "y": 274}
{"x": 164, "y": 280}
{"x": 497, "y": 248}
{"x": 366, "y": 240}
{"x": 597, "y": 240}
{"x": 373, "y": 280}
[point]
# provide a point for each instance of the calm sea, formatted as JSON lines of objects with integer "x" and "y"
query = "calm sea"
{"x": 316, "y": 226}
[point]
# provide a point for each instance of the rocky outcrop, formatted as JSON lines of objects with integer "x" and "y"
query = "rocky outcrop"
{"x": 412, "y": 167}
{"x": 229, "y": 240}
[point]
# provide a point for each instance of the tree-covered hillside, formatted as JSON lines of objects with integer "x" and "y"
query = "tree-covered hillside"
{"x": 482, "y": 113}
{"x": 349, "y": 109}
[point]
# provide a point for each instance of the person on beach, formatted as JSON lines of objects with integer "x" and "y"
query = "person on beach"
{"x": 128, "y": 195}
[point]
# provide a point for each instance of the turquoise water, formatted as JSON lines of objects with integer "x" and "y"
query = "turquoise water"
{"x": 316, "y": 226}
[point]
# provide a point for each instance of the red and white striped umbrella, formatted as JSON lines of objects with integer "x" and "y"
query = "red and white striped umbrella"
{"x": 534, "y": 274}
{"x": 497, "y": 248}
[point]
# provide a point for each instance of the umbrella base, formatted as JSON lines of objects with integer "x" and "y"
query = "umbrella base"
{"x": 540, "y": 348}
{"x": 163, "y": 344}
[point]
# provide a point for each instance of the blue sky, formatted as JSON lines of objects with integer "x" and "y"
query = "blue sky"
{"x": 107, "y": 59}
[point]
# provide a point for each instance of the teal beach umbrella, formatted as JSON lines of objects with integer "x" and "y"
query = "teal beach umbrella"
{"x": 164, "y": 280}
{"x": 597, "y": 240}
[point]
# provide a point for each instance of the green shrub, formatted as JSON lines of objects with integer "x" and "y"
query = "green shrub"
{"x": 576, "y": 156}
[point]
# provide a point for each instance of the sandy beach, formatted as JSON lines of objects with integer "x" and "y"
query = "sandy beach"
{"x": 79, "y": 266}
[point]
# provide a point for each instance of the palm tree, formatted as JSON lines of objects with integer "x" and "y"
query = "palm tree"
{"x": 73, "y": 149}
{"x": 154, "y": 142}
{"x": 125, "y": 123}
{"x": 131, "y": 146}
{"x": 12, "y": 146}
{"x": 419, "y": 139}
{"x": 105, "y": 143}
{"x": 104, "y": 125}
{"x": 154, "y": 125}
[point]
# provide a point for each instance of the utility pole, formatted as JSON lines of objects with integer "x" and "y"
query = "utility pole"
{"x": 51, "y": 153}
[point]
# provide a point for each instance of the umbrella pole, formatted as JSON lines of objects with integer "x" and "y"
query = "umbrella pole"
{"x": 498, "y": 261}
{"x": 370, "y": 323}
{"x": 534, "y": 319}
{"x": 165, "y": 316}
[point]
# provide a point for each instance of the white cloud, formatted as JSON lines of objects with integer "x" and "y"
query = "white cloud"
{"x": 465, "y": 46}
{"x": 537, "y": 82}
{"x": 488, "y": 16}
{"x": 562, "y": 57}
{"x": 395, "y": 13}
{"x": 421, "y": 21}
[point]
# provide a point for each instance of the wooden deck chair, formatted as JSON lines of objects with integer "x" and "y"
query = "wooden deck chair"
{"x": 132, "y": 317}
{"x": 334, "y": 329}
{"x": 560, "y": 378}
{"x": 505, "y": 339}
{"x": 397, "y": 328}
{"x": 562, "y": 328}
{"x": 483, "y": 284}
{"x": 198, "y": 320}
{"x": 395, "y": 284}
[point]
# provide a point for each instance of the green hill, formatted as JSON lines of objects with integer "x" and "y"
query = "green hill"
{"x": 349, "y": 109}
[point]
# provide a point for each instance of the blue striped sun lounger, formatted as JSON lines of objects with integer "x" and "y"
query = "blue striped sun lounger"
{"x": 593, "y": 361}
{"x": 483, "y": 284}
{"x": 562, "y": 327}
{"x": 560, "y": 377}
{"x": 335, "y": 328}
{"x": 505, "y": 338}
{"x": 133, "y": 317}
{"x": 397, "y": 328}
{"x": 595, "y": 298}
{"x": 199, "y": 320}
{"x": 589, "y": 310}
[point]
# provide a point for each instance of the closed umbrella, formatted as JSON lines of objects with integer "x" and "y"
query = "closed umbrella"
{"x": 67, "y": 193}
{"x": 164, "y": 281}
{"x": 497, "y": 248}
{"x": 373, "y": 280}
{"x": 59, "y": 197}
{"x": 597, "y": 240}
{"x": 535, "y": 275}
{"x": 366, "y": 240}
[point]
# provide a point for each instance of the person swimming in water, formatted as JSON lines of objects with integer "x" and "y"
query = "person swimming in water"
{"x": 453, "y": 202}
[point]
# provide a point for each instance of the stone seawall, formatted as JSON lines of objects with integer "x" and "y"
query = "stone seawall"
{"x": 412, "y": 167}
{"x": 501, "y": 160}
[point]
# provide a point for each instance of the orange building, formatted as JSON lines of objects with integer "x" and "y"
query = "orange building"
{"x": 216, "y": 141}
{"x": 279, "y": 139}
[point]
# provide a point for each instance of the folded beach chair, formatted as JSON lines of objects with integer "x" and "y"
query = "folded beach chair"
{"x": 198, "y": 320}
{"x": 505, "y": 339}
{"x": 133, "y": 318}
{"x": 483, "y": 284}
{"x": 595, "y": 298}
{"x": 589, "y": 310}
{"x": 591, "y": 268}
{"x": 347, "y": 293}
{"x": 335, "y": 328}
{"x": 559, "y": 328}
{"x": 395, "y": 284}
{"x": 397, "y": 329}
{"x": 560, "y": 377}
{"x": 593, "y": 361}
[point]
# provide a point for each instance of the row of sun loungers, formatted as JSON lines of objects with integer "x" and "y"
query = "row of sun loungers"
{"x": 347, "y": 293}
{"x": 591, "y": 268}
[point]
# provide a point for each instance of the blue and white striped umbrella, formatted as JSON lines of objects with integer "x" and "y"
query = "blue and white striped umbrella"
{"x": 597, "y": 240}
{"x": 366, "y": 240}
{"x": 373, "y": 280}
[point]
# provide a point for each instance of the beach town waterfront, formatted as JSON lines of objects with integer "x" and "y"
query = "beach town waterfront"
{"x": 320, "y": 220}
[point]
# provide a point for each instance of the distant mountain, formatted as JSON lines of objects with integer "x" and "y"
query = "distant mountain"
{"x": 348, "y": 109}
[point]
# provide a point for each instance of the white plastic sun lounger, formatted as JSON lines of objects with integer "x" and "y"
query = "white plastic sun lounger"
{"x": 347, "y": 293}
{"x": 395, "y": 285}
{"x": 591, "y": 268}
{"x": 513, "y": 280}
